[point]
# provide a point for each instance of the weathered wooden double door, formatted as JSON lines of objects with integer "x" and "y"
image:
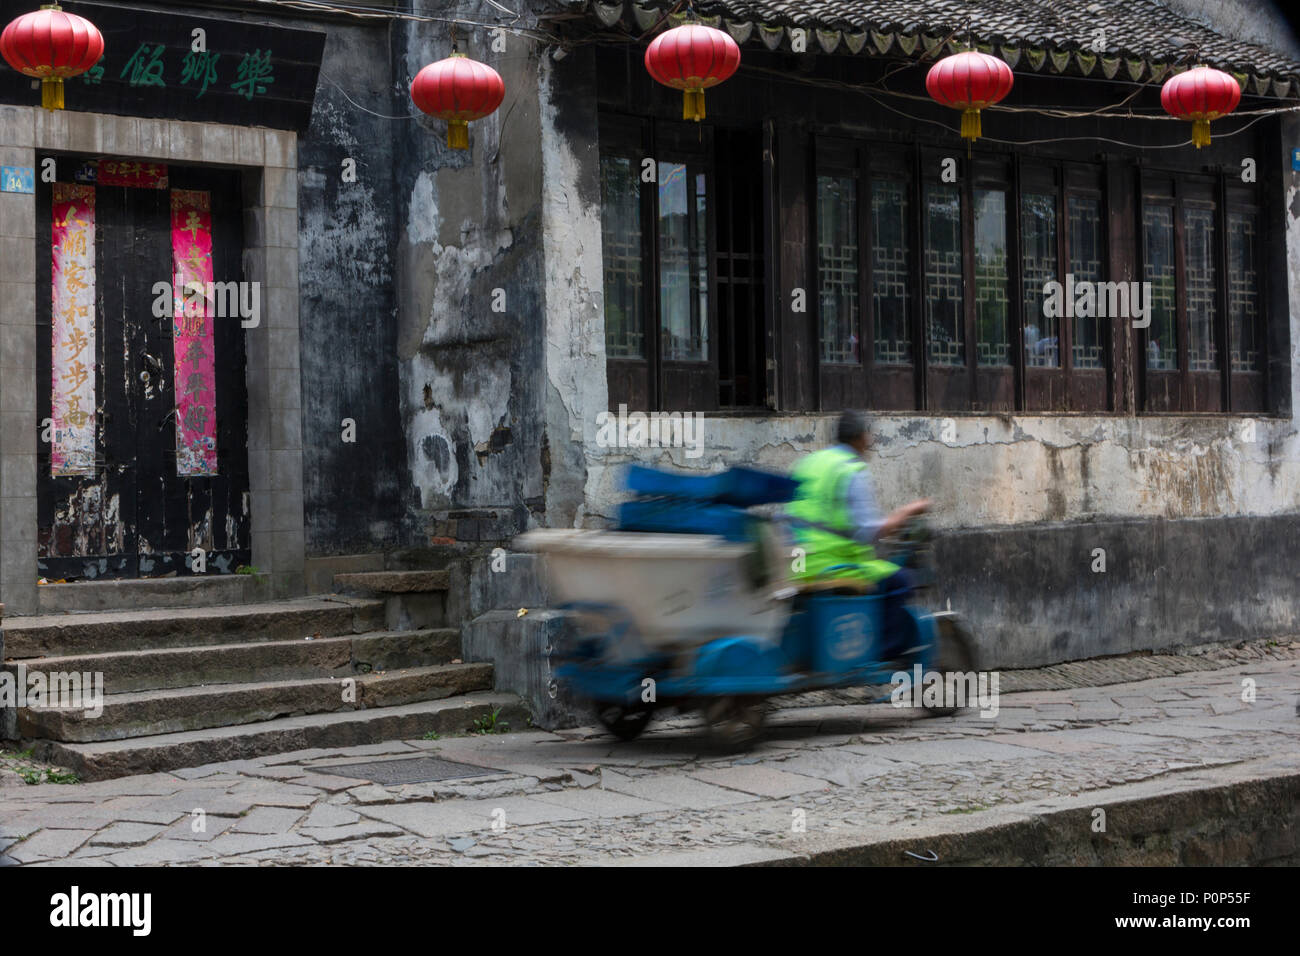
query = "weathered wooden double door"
{"x": 115, "y": 497}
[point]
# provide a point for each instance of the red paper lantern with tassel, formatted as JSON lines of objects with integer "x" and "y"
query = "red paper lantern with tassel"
{"x": 51, "y": 45}
{"x": 692, "y": 58}
{"x": 458, "y": 90}
{"x": 969, "y": 81}
{"x": 1200, "y": 94}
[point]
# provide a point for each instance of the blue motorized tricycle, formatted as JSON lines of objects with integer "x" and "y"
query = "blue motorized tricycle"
{"x": 691, "y": 604}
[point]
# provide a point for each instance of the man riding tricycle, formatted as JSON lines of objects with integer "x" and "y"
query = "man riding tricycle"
{"x": 709, "y": 596}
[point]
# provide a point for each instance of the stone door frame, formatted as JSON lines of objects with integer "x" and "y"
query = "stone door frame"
{"x": 269, "y": 160}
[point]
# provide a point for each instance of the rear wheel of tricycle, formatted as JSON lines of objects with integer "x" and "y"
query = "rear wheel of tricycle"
{"x": 625, "y": 723}
{"x": 956, "y": 654}
{"x": 734, "y": 722}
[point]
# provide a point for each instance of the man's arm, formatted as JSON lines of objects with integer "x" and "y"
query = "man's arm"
{"x": 869, "y": 525}
{"x": 860, "y": 499}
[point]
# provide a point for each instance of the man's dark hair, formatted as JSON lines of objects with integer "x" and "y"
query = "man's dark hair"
{"x": 851, "y": 427}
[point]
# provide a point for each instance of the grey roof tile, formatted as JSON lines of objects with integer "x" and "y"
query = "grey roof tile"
{"x": 1135, "y": 29}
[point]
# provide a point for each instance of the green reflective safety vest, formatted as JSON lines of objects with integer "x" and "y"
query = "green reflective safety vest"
{"x": 822, "y": 499}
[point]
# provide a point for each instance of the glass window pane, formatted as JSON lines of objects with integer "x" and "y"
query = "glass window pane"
{"x": 620, "y": 226}
{"x": 683, "y": 263}
{"x": 1158, "y": 241}
{"x": 1202, "y": 351}
{"x": 837, "y": 267}
{"x": 992, "y": 308}
{"x": 943, "y": 294}
{"x": 1084, "y": 213}
{"x": 889, "y": 272}
{"x": 1243, "y": 293}
{"x": 1037, "y": 268}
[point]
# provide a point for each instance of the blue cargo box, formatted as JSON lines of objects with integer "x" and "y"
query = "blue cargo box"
{"x": 668, "y": 516}
{"x": 741, "y": 487}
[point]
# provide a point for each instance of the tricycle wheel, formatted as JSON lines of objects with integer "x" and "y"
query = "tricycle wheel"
{"x": 956, "y": 654}
{"x": 625, "y": 723}
{"x": 734, "y": 722}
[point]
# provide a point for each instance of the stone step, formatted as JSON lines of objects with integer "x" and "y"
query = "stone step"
{"x": 61, "y": 635}
{"x": 182, "y": 592}
{"x": 250, "y": 661}
{"x": 223, "y": 705}
{"x": 101, "y": 760}
{"x": 411, "y": 598}
{"x": 391, "y": 582}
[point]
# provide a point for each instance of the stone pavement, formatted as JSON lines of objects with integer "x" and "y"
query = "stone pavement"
{"x": 832, "y": 763}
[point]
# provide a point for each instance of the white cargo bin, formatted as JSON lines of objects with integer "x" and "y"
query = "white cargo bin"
{"x": 680, "y": 590}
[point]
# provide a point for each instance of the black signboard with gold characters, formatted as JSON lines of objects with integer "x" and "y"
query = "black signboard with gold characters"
{"x": 182, "y": 66}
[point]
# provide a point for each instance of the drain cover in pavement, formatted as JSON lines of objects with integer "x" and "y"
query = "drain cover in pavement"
{"x": 408, "y": 770}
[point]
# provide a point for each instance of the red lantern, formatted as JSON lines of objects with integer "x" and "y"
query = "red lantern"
{"x": 51, "y": 45}
{"x": 969, "y": 82}
{"x": 458, "y": 90}
{"x": 692, "y": 58}
{"x": 1201, "y": 94}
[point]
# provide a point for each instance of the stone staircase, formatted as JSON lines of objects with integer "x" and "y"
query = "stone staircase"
{"x": 190, "y": 681}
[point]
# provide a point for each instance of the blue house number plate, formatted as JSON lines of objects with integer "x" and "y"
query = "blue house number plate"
{"x": 17, "y": 179}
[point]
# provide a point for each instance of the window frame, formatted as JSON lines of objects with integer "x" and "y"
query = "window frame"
{"x": 653, "y": 382}
{"x": 1066, "y": 387}
{"x": 1187, "y": 391}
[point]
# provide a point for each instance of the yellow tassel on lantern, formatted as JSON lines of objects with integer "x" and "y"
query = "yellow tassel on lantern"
{"x": 1200, "y": 133}
{"x": 693, "y": 104}
{"x": 457, "y": 134}
{"x": 52, "y": 92}
{"x": 970, "y": 124}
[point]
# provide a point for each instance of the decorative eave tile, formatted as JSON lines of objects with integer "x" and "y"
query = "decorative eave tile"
{"x": 881, "y": 41}
{"x": 908, "y": 43}
{"x": 828, "y": 39}
{"x": 608, "y": 13}
{"x": 1060, "y": 61}
{"x": 645, "y": 17}
{"x": 1035, "y": 58}
{"x": 1109, "y": 67}
{"x": 740, "y": 32}
{"x": 1011, "y": 54}
{"x": 1135, "y": 69}
{"x": 771, "y": 36}
{"x": 1087, "y": 61}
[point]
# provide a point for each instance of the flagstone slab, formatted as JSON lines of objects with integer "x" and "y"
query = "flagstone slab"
{"x": 428, "y": 819}
{"x": 126, "y": 834}
{"x": 676, "y": 790}
{"x": 327, "y": 815}
{"x": 354, "y": 831}
{"x": 267, "y": 820}
{"x": 49, "y": 844}
{"x": 213, "y": 827}
{"x": 762, "y": 781}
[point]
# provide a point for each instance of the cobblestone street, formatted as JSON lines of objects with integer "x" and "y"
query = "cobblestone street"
{"x": 830, "y": 769}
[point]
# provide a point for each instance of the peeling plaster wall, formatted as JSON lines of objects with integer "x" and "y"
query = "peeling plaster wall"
{"x": 576, "y": 387}
{"x": 468, "y": 278}
{"x": 353, "y": 492}
{"x": 1019, "y": 469}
